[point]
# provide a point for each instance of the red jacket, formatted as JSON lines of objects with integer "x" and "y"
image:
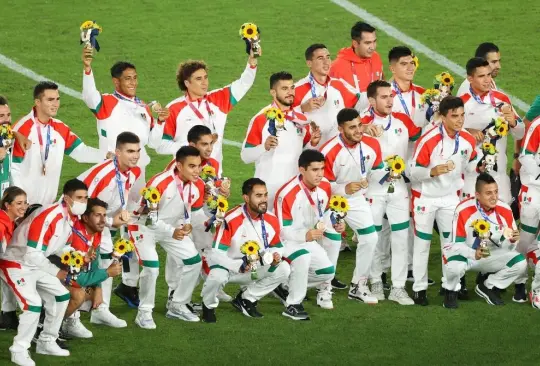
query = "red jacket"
{"x": 6, "y": 227}
{"x": 366, "y": 69}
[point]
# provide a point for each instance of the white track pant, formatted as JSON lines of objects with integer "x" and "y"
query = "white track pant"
{"x": 9, "y": 301}
{"x": 396, "y": 207}
{"x": 181, "y": 251}
{"x": 505, "y": 266}
{"x": 528, "y": 244}
{"x": 310, "y": 266}
{"x": 360, "y": 219}
{"x": 268, "y": 279}
{"x": 30, "y": 287}
{"x": 425, "y": 211}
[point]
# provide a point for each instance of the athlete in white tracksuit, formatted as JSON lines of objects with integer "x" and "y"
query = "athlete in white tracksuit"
{"x": 350, "y": 159}
{"x": 530, "y": 207}
{"x": 301, "y": 206}
{"x": 463, "y": 252}
{"x": 441, "y": 156}
{"x": 182, "y": 193}
{"x": 396, "y": 131}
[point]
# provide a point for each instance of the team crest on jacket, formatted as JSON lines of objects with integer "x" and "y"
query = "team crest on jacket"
{"x": 336, "y": 102}
{"x": 398, "y": 131}
{"x": 420, "y": 209}
{"x": 21, "y": 282}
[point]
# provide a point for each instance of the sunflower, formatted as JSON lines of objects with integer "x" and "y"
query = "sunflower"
{"x": 250, "y": 247}
{"x": 6, "y": 132}
{"x": 270, "y": 113}
{"x": 66, "y": 258}
{"x": 77, "y": 260}
{"x": 416, "y": 62}
{"x": 447, "y": 79}
{"x": 222, "y": 204}
{"x": 211, "y": 202}
{"x": 502, "y": 130}
{"x": 144, "y": 192}
{"x": 335, "y": 202}
{"x": 398, "y": 165}
{"x": 154, "y": 196}
{"x": 208, "y": 172}
{"x": 120, "y": 246}
{"x": 280, "y": 117}
{"x": 249, "y": 31}
{"x": 89, "y": 24}
{"x": 480, "y": 226}
{"x": 429, "y": 95}
{"x": 489, "y": 148}
{"x": 343, "y": 205}
{"x": 389, "y": 159}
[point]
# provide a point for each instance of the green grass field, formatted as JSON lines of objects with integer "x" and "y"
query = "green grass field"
{"x": 156, "y": 36}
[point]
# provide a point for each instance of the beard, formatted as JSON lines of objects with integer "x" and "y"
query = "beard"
{"x": 261, "y": 208}
{"x": 284, "y": 102}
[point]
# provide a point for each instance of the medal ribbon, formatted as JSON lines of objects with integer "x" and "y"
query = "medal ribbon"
{"x": 135, "y": 99}
{"x": 45, "y": 153}
{"x": 400, "y": 96}
{"x": 314, "y": 88}
{"x": 356, "y": 78}
{"x": 480, "y": 101}
{"x": 456, "y": 139}
{"x": 119, "y": 183}
{"x": 362, "y": 162}
{"x": 290, "y": 116}
{"x": 263, "y": 227}
{"x": 187, "y": 207}
{"x": 316, "y": 208}
{"x": 486, "y": 217}
{"x": 372, "y": 112}
{"x": 199, "y": 114}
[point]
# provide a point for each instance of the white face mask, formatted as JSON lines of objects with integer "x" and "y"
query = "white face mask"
{"x": 78, "y": 208}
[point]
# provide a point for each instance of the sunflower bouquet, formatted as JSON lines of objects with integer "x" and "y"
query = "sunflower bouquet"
{"x": 395, "y": 165}
{"x": 151, "y": 196}
{"x": 276, "y": 120}
{"x": 89, "y": 31}
{"x": 250, "y": 249}
{"x": 218, "y": 207}
{"x": 444, "y": 82}
{"x": 416, "y": 62}
{"x": 251, "y": 34}
{"x": 123, "y": 248}
{"x": 73, "y": 260}
{"x": 482, "y": 234}
{"x": 339, "y": 207}
{"x": 490, "y": 155}
{"x": 208, "y": 173}
{"x": 498, "y": 128}
{"x": 431, "y": 97}
{"x": 6, "y": 135}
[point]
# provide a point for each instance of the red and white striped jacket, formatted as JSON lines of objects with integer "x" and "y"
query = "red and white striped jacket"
{"x": 530, "y": 160}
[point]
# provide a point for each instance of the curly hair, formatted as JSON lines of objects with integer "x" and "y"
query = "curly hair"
{"x": 186, "y": 69}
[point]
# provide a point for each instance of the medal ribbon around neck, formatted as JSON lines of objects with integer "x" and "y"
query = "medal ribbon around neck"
{"x": 119, "y": 183}
{"x": 400, "y": 96}
{"x": 456, "y": 141}
{"x": 44, "y": 151}
{"x": 312, "y": 83}
{"x": 263, "y": 227}
{"x": 317, "y": 207}
{"x": 480, "y": 101}
{"x": 187, "y": 207}
{"x": 362, "y": 162}
{"x": 199, "y": 114}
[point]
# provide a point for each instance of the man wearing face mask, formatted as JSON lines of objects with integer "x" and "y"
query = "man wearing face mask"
{"x": 247, "y": 222}
{"x": 394, "y": 131}
{"x": 198, "y": 106}
{"x": 38, "y": 169}
{"x": 465, "y": 250}
{"x": 321, "y": 97}
{"x": 33, "y": 277}
{"x": 359, "y": 64}
{"x": 112, "y": 181}
{"x": 182, "y": 194}
{"x": 275, "y": 153}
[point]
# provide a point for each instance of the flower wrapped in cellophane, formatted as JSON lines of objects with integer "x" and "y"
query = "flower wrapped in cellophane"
{"x": 89, "y": 31}
{"x": 276, "y": 120}
{"x": 339, "y": 206}
{"x": 481, "y": 232}
{"x": 6, "y": 135}
{"x": 251, "y": 249}
{"x": 218, "y": 207}
{"x": 73, "y": 260}
{"x": 151, "y": 198}
{"x": 251, "y": 34}
{"x": 123, "y": 248}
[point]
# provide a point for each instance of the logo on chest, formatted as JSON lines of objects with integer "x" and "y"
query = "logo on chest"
{"x": 398, "y": 131}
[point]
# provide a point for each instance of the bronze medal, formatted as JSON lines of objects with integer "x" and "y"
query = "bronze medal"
{"x": 187, "y": 228}
{"x": 451, "y": 165}
{"x": 214, "y": 137}
{"x": 320, "y": 226}
{"x": 43, "y": 170}
{"x": 364, "y": 183}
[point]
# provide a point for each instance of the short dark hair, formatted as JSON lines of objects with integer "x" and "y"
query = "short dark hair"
{"x": 94, "y": 202}
{"x": 247, "y": 186}
{"x": 484, "y": 48}
{"x": 450, "y": 103}
{"x": 277, "y": 76}
{"x": 9, "y": 196}
{"x": 186, "y": 69}
{"x": 186, "y": 151}
{"x": 346, "y": 115}
{"x": 196, "y": 132}
{"x": 482, "y": 180}
{"x": 3, "y": 100}
{"x": 311, "y": 50}
{"x": 398, "y": 52}
{"x": 360, "y": 27}
{"x": 310, "y": 156}
{"x": 475, "y": 63}
{"x": 374, "y": 86}
{"x": 42, "y": 86}
{"x": 118, "y": 68}
{"x": 127, "y": 137}
{"x": 73, "y": 185}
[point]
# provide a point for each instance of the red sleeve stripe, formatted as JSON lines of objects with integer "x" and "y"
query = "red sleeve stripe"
{"x": 94, "y": 172}
{"x": 105, "y": 107}
{"x": 300, "y": 91}
{"x": 254, "y": 135}
{"x": 200, "y": 186}
{"x": 330, "y": 158}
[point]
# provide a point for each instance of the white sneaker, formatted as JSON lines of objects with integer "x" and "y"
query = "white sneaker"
{"x": 360, "y": 292}
{"x": 181, "y": 311}
{"x": 22, "y": 358}
{"x": 144, "y": 320}
{"x": 400, "y": 296}
{"x": 534, "y": 296}
{"x": 377, "y": 290}
{"x": 74, "y": 328}
{"x": 50, "y": 348}
{"x": 223, "y": 296}
{"x": 324, "y": 299}
{"x": 103, "y": 316}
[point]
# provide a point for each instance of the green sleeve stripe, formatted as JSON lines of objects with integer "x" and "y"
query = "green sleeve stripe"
{"x": 287, "y": 222}
{"x": 167, "y": 137}
{"x": 327, "y": 270}
{"x": 33, "y": 309}
{"x": 460, "y": 239}
{"x": 415, "y": 137}
{"x": 423, "y": 236}
{"x": 223, "y": 247}
{"x": 193, "y": 260}
{"x": 518, "y": 258}
{"x": 400, "y": 226}
{"x": 105, "y": 255}
{"x": 458, "y": 258}
{"x": 277, "y": 245}
{"x": 367, "y": 230}
{"x": 297, "y": 254}
{"x": 528, "y": 229}
{"x": 150, "y": 264}
{"x": 98, "y": 107}
{"x": 333, "y": 236}
{"x": 17, "y": 159}
{"x": 103, "y": 132}
{"x": 217, "y": 266}
{"x": 62, "y": 298}
{"x": 423, "y": 166}
{"x": 73, "y": 146}
{"x": 32, "y": 244}
{"x": 380, "y": 166}
{"x": 232, "y": 99}
{"x": 249, "y": 145}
